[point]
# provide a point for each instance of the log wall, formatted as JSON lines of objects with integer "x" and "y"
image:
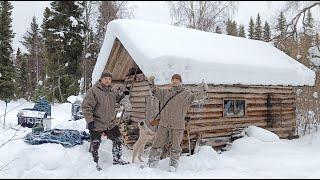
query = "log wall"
{"x": 207, "y": 119}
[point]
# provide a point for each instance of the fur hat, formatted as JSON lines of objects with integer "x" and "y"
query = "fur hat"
{"x": 177, "y": 76}
{"x": 105, "y": 74}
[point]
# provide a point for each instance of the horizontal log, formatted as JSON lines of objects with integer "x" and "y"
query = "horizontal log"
{"x": 273, "y": 113}
{"x": 136, "y": 115}
{"x": 136, "y": 119}
{"x": 138, "y": 104}
{"x": 273, "y": 108}
{"x": 142, "y": 110}
{"x": 140, "y": 93}
{"x": 251, "y": 102}
{"x": 140, "y": 88}
{"x": 204, "y": 110}
{"x": 205, "y": 115}
{"x": 250, "y": 96}
{"x": 209, "y": 128}
{"x": 248, "y": 90}
{"x": 137, "y": 99}
{"x": 142, "y": 83}
{"x": 278, "y": 122}
{"x": 212, "y": 101}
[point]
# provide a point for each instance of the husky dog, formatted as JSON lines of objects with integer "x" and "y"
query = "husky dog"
{"x": 145, "y": 135}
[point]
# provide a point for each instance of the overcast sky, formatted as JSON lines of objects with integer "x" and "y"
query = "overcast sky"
{"x": 157, "y": 11}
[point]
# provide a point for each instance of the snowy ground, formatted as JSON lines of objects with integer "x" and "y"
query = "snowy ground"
{"x": 249, "y": 157}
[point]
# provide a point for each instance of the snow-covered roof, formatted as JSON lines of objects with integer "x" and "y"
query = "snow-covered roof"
{"x": 163, "y": 50}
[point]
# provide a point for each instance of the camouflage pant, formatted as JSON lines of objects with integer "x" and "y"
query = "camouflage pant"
{"x": 112, "y": 134}
{"x": 164, "y": 136}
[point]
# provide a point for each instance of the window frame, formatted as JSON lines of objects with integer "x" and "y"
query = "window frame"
{"x": 234, "y": 104}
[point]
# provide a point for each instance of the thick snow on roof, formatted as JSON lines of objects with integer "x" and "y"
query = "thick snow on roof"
{"x": 163, "y": 50}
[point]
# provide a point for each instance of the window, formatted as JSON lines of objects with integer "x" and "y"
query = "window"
{"x": 234, "y": 108}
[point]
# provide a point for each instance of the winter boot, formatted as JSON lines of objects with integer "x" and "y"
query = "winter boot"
{"x": 117, "y": 152}
{"x": 154, "y": 157}
{"x": 119, "y": 162}
{"x": 173, "y": 165}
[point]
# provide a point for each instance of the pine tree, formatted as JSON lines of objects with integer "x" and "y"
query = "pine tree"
{"x": 7, "y": 73}
{"x": 281, "y": 32}
{"x": 307, "y": 39}
{"x": 242, "y": 32}
{"x": 231, "y": 28}
{"x": 218, "y": 30}
{"x": 251, "y": 28}
{"x": 22, "y": 75}
{"x": 258, "y": 28}
{"x": 63, "y": 30}
{"x": 266, "y": 32}
{"x": 308, "y": 24}
{"x": 33, "y": 42}
{"x": 107, "y": 13}
{"x": 51, "y": 63}
{"x": 281, "y": 25}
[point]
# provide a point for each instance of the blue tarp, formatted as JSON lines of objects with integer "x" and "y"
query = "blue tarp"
{"x": 65, "y": 137}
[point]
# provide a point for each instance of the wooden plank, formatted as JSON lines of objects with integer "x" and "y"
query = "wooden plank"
{"x": 142, "y": 83}
{"x": 274, "y": 113}
{"x": 204, "y": 110}
{"x": 251, "y": 96}
{"x": 203, "y": 116}
{"x": 137, "y": 99}
{"x": 119, "y": 62}
{"x": 274, "y": 108}
{"x": 138, "y": 114}
{"x": 114, "y": 53}
{"x": 141, "y": 89}
{"x": 141, "y": 93}
{"x": 136, "y": 119}
{"x": 141, "y": 110}
{"x": 138, "y": 104}
{"x": 242, "y": 125}
{"x": 202, "y": 121}
{"x": 248, "y": 90}
{"x": 250, "y": 101}
{"x": 210, "y": 102}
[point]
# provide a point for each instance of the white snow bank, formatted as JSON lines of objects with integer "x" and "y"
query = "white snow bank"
{"x": 248, "y": 157}
{"x": 73, "y": 99}
{"x": 162, "y": 50}
{"x": 262, "y": 134}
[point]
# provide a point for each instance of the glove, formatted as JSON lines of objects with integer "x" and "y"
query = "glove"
{"x": 126, "y": 92}
{"x": 187, "y": 119}
{"x": 151, "y": 79}
{"x": 91, "y": 125}
{"x": 204, "y": 86}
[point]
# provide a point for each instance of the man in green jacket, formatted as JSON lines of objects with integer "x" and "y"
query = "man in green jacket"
{"x": 99, "y": 110}
{"x": 172, "y": 121}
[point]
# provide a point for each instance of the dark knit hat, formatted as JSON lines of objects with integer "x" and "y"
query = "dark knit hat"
{"x": 105, "y": 74}
{"x": 177, "y": 76}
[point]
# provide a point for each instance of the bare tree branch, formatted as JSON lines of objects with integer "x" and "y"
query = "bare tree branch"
{"x": 201, "y": 15}
{"x": 293, "y": 6}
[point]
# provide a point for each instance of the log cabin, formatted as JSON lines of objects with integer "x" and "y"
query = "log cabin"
{"x": 250, "y": 82}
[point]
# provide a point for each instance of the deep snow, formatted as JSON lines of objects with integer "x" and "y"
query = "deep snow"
{"x": 261, "y": 155}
